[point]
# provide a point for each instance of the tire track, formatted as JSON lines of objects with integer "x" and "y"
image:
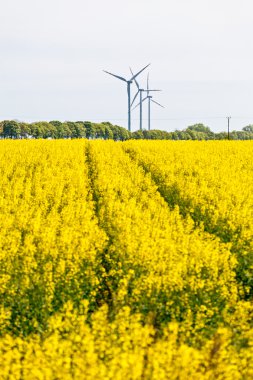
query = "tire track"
{"x": 172, "y": 194}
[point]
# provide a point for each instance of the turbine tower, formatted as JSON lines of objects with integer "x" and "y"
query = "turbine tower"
{"x": 140, "y": 91}
{"x": 150, "y": 99}
{"x": 128, "y": 82}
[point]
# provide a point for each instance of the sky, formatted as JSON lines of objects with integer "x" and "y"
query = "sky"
{"x": 53, "y": 53}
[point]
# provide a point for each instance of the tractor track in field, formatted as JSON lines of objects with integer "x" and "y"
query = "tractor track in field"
{"x": 107, "y": 281}
{"x": 222, "y": 230}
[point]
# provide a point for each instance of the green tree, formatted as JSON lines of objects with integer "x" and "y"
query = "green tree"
{"x": 63, "y": 131}
{"x": 175, "y": 136}
{"x": 248, "y": 128}
{"x": 90, "y": 130}
{"x": 137, "y": 135}
{"x": 25, "y": 130}
{"x": 108, "y": 135}
{"x": 221, "y": 136}
{"x": 43, "y": 130}
{"x": 56, "y": 123}
{"x": 11, "y": 129}
{"x": 1, "y": 129}
{"x": 77, "y": 129}
{"x": 124, "y": 134}
{"x": 199, "y": 127}
{"x": 99, "y": 131}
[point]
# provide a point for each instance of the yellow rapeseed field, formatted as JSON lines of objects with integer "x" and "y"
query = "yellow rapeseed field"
{"x": 126, "y": 260}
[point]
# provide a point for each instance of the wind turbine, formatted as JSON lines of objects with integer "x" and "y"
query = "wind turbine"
{"x": 129, "y": 82}
{"x": 140, "y": 91}
{"x": 149, "y": 97}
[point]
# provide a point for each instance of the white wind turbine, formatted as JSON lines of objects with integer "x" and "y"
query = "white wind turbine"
{"x": 150, "y": 99}
{"x": 128, "y": 82}
{"x": 140, "y": 91}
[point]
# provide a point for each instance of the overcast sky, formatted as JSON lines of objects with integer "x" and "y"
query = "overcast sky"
{"x": 53, "y": 53}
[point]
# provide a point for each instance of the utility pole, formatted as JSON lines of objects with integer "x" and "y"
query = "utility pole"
{"x": 228, "y": 118}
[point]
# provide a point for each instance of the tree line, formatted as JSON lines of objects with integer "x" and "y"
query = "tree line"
{"x": 55, "y": 129}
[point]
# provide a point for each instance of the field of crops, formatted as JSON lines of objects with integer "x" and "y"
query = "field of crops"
{"x": 126, "y": 260}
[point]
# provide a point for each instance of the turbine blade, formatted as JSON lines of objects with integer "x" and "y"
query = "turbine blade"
{"x": 151, "y": 90}
{"x": 135, "y": 106}
{"x": 137, "y": 84}
{"x": 136, "y": 75}
{"x": 135, "y": 97}
{"x": 143, "y": 100}
{"x": 116, "y": 76}
{"x": 148, "y": 84}
{"x": 157, "y": 103}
